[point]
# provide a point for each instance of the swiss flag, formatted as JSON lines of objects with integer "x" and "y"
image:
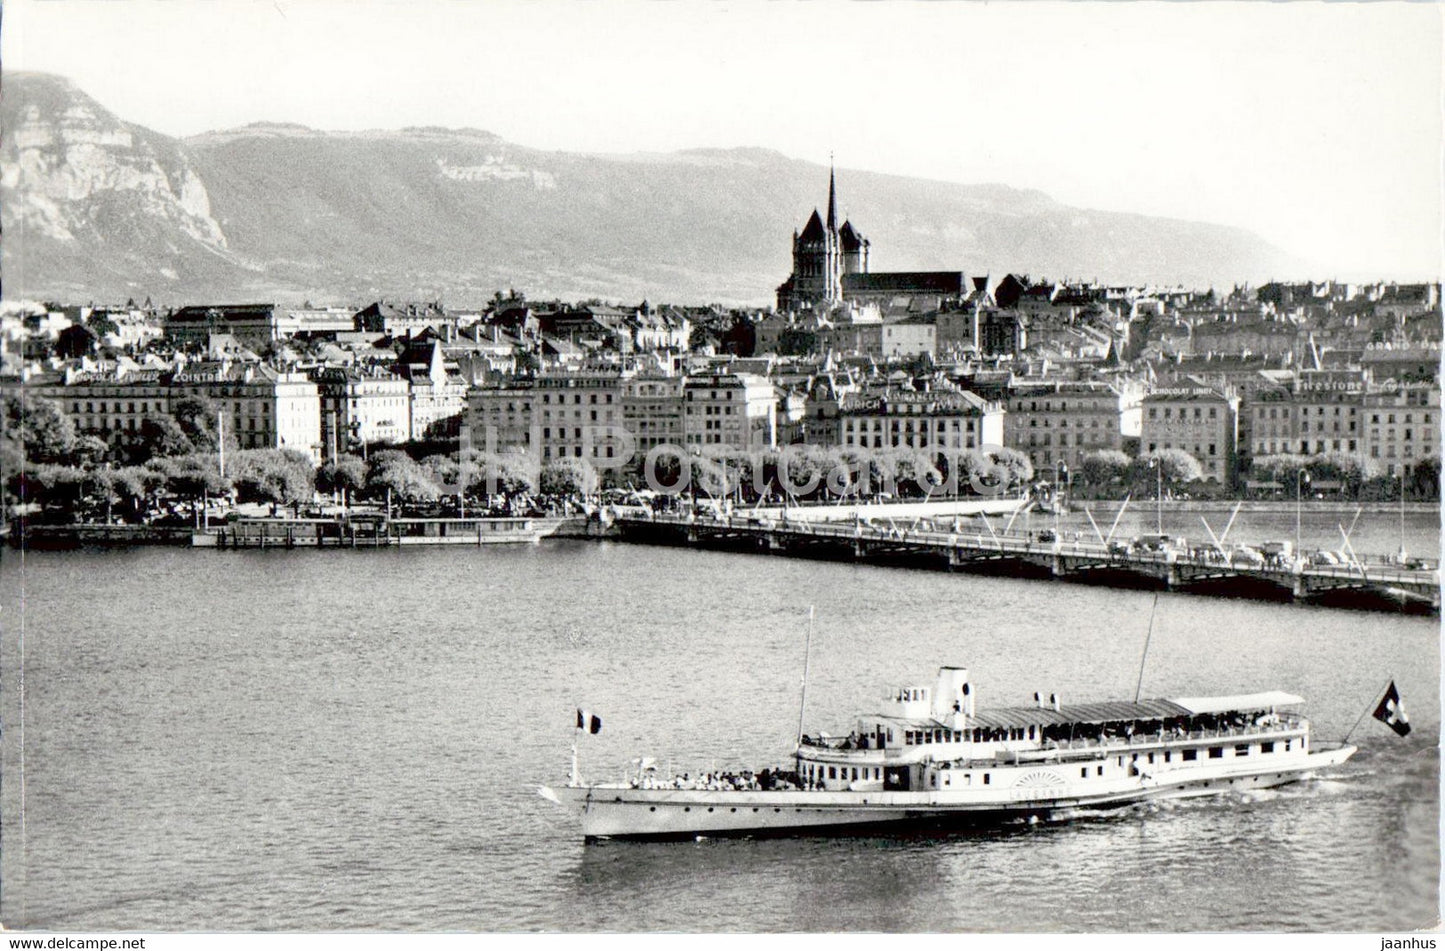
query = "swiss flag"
{"x": 1391, "y": 711}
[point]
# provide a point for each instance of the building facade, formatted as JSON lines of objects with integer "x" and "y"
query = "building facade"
{"x": 1198, "y": 420}
{"x": 735, "y": 410}
{"x": 1401, "y": 426}
{"x": 1065, "y": 421}
{"x": 940, "y": 420}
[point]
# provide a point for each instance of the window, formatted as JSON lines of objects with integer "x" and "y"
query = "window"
{"x": 1190, "y": 755}
{"x": 1266, "y": 747}
{"x": 1241, "y": 749}
{"x": 1216, "y": 752}
{"x": 832, "y": 772}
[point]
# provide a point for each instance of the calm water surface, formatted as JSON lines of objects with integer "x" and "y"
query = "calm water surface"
{"x": 352, "y": 740}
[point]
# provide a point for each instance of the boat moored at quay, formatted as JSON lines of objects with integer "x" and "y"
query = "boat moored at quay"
{"x": 928, "y": 758}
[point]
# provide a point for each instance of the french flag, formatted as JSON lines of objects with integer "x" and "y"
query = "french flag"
{"x": 586, "y": 721}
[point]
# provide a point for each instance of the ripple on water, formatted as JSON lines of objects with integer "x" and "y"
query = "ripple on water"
{"x": 352, "y": 741}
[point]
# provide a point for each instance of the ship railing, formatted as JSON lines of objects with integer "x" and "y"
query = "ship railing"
{"x": 1284, "y": 724}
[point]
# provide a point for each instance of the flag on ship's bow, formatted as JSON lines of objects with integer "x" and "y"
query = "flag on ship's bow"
{"x": 1391, "y": 711}
{"x": 586, "y": 721}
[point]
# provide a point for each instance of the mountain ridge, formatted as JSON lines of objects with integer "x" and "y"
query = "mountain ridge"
{"x": 106, "y": 208}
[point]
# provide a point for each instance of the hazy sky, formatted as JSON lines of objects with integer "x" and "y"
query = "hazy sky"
{"x": 1316, "y": 125}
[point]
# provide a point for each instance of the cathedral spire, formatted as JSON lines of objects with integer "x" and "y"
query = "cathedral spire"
{"x": 832, "y": 198}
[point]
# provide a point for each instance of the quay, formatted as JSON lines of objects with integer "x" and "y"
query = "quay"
{"x": 357, "y": 531}
{"x": 1202, "y": 572}
{"x": 378, "y": 531}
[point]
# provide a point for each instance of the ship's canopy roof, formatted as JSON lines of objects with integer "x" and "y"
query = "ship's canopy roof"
{"x": 1243, "y": 701}
{"x": 1120, "y": 711}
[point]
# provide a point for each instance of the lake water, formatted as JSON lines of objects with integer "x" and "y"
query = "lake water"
{"x": 352, "y": 740}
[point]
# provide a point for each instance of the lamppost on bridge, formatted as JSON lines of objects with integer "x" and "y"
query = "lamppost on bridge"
{"x": 1158, "y": 463}
{"x": 1301, "y": 479}
{"x": 1061, "y": 484}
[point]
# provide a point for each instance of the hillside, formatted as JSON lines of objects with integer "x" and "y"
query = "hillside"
{"x": 95, "y": 207}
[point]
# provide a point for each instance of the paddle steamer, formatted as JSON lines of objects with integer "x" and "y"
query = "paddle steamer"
{"x": 929, "y": 758}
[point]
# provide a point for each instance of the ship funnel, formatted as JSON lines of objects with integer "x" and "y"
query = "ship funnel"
{"x": 1054, "y": 699}
{"x": 950, "y": 696}
{"x": 1038, "y": 699}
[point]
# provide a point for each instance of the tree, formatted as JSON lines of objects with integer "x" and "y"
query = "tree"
{"x": 43, "y": 432}
{"x": 51, "y": 484}
{"x": 1104, "y": 466}
{"x": 569, "y": 477}
{"x": 505, "y": 473}
{"x": 197, "y": 416}
{"x": 1017, "y": 466}
{"x": 345, "y": 473}
{"x": 1425, "y": 479}
{"x": 193, "y": 476}
{"x": 273, "y": 475}
{"x": 134, "y": 485}
{"x": 160, "y": 436}
{"x": 1283, "y": 468}
{"x": 711, "y": 477}
{"x": 393, "y": 470}
{"x": 1178, "y": 466}
{"x": 804, "y": 469}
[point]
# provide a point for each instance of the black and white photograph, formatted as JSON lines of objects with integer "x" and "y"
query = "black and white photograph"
{"x": 723, "y": 468}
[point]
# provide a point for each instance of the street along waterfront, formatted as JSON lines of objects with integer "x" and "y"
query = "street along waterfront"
{"x": 246, "y": 739}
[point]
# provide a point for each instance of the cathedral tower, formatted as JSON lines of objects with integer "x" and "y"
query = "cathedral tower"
{"x": 822, "y": 254}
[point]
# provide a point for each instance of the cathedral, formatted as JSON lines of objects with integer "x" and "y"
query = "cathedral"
{"x": 822, "y": 254}
{"x": 830, "y": 268}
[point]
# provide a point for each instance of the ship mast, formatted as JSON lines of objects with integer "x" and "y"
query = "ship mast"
{"x": 803, "y": 700}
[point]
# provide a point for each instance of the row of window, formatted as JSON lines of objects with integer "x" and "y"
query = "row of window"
{"x": 576, "y": 399}
{"x": 1198, "y": 450}
{"x": 1064, "y": 423}
{"x": 1154, "y": 412}
{"x": 853, "y": 439}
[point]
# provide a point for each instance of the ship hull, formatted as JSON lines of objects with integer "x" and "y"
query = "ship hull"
{"x": 626, "y": 812}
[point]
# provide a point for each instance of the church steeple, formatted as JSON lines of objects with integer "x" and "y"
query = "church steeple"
{"x": 832, "y": 199}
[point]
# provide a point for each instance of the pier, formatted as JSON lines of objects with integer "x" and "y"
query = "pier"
{"x": 1211, "y": 571}
{"x": 376, "y": 532}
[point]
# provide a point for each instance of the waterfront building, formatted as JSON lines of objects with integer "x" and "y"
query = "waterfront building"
{"x": 500, "y": 418}
{"x": 652, "y": 410}
{"x": 931, "y": 419}
{"x": 1062, "y": 421}
{"x": 106, "y": 403}
{"x": 736, "y": 410}
{"x": 553, "y": 416}
{"x": 1327, "y": 408}
{"x": 261, "y": 408}
{"x": 361, "y": 407}
{"x": 1401, "y": 425}
{"x": 1201, "y": 421}
{"x": 1272, "y": 428}
{"x": 437, "y": 397}
{"x": 822, "y": 425}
